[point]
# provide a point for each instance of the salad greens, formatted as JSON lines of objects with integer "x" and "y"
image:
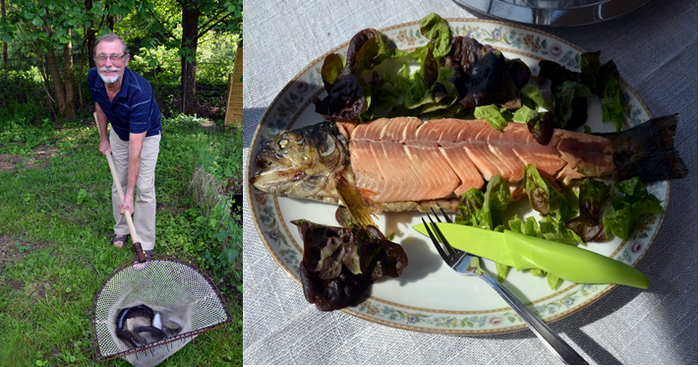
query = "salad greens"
{"x": 590, "y": 211}
{"x": 456, "y": 76}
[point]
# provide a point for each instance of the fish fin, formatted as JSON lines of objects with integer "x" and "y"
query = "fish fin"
{"x": 360, "y": 208}
{"x": 647, "y": 151}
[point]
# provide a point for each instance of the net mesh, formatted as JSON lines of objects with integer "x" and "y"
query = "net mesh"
{"x": 167, "y": 286}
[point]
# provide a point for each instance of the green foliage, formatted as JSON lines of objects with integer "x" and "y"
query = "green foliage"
{"x": 216, "y": 56}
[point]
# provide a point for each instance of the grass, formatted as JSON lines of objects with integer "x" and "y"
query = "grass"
{"x": 55, "y": 227}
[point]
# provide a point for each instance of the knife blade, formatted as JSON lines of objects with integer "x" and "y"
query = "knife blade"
{"x": 523, "y": 252}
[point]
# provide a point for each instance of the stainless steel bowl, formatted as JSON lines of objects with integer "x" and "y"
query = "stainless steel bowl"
{"x": 554, "y": 12}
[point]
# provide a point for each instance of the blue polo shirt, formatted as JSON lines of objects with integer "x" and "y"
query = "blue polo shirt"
{"x": 133, "y": 109}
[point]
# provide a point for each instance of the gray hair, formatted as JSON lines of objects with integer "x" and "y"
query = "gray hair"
{"x": 110, "y": 37}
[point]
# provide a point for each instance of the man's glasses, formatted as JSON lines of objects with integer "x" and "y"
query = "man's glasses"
{"x": 103, "y": 58}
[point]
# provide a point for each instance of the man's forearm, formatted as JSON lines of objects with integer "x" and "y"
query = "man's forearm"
{"x": 102, "y": 122}
{"x": 134, "y": 167}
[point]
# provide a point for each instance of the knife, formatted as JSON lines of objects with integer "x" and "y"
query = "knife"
{"x": 526, "y": 252}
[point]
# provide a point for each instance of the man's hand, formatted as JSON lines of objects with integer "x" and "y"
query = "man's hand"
{"x": 127, "y": 206}
{"x": 105, "y": 148}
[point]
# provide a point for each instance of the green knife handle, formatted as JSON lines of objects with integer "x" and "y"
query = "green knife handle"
{"x": 555, "y": 258}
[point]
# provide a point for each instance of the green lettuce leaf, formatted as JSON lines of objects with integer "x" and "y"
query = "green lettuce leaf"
{"x": 492, "y": 114}
{"x": 524, "y": 114}
{"x": 629, "y": 202}
{"x": 496, "y": 200}
{"x": 437, "y": 30}
{"x": 611, "y": 103}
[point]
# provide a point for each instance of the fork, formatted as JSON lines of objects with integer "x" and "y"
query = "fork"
{"x": 468, "y": 264}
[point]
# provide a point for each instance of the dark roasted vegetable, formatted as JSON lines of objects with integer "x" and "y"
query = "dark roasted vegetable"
{"x": 340, "y": 264}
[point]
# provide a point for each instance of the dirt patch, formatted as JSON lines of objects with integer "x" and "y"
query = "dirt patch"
{"x": 16, "y": 284}
{"x": 9, "y": 162}
{"x": 38, "y": 290}
{"x": 41, "y": 154}
{"x": 208, "y": 125}
{"x": 13, "y": 250}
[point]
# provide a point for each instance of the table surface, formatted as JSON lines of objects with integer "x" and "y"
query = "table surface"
{"x": 655, "y": 48}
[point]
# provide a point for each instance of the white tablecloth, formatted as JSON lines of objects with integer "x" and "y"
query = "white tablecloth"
{"x": 655, "y": 49}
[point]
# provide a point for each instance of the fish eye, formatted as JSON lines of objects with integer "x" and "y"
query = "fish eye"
{"x": 328, "y": 148}
{"x": 283, "y": 143}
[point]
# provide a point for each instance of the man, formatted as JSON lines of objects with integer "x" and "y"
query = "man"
{"x": 126, "y": 100}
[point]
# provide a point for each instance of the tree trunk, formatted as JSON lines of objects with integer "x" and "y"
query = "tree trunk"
{"x": 42, "y": 71}
{"x": 4, "y": 44}
{"x": 190, "y": 24}
{"x": 68, "y": 77}
{"x": 90, "y": 38}
{"x": 57, "y": 83}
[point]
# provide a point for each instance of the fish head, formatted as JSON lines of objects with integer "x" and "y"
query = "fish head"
{"x": 299, "y": 163}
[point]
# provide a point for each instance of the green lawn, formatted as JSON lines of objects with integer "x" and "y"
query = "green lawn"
{"x": 55, "y": 227}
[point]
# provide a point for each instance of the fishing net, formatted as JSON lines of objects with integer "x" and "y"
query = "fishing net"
{"x": 177, "y": 290}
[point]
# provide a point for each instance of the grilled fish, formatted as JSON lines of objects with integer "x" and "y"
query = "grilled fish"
{"x": 404, "y": 163}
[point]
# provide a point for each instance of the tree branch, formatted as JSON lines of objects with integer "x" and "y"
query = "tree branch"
{"x": 162, "y": 27}
{"x": 203, "y": 32}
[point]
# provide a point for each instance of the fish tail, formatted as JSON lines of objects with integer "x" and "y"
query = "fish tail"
{"x": 647, "y": 151}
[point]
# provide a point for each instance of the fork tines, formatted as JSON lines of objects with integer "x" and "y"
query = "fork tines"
{"x": 443, "y": 247}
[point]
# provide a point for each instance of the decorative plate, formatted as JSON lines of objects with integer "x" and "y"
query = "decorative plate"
{"x": 429, "y": 296}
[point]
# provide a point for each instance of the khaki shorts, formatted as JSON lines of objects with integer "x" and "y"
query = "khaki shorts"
{"x": 145, "y": 200}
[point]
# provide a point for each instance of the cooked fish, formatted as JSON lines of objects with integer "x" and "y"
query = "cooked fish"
{"x": 402, "y": 164}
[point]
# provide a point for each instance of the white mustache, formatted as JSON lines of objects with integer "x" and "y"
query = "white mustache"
{"x": 106, "y": 69}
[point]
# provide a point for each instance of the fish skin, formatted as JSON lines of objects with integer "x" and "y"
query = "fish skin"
{"x": 383, "y": 159}
{"x": 131, "y": 337}
{"x": 132, "y": 312}
{"x": 157, "y": 333}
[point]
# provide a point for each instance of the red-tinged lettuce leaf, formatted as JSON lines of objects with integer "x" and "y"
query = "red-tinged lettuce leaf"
{"x": 614, "y": 209}
{"x": 345, "y": 102}
{"x": 340, "y": 264}
{"x": 542, "y": 127}
{"x": 464, "y": 52}
{"x": 356, "y": 43}
{"x": 488, "y": 81}
{"x": 537, "y": 190}
{"x": 538, "y": 93}
{"x": 519, "y": 72}
{"x": 485, "y": 209}
{"x": 570, "y": 106}
{"x": 469, "y": 210}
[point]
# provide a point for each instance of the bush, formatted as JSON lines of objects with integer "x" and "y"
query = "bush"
{"x": 22, "y": 97}
{"x": 210, "y": 220}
